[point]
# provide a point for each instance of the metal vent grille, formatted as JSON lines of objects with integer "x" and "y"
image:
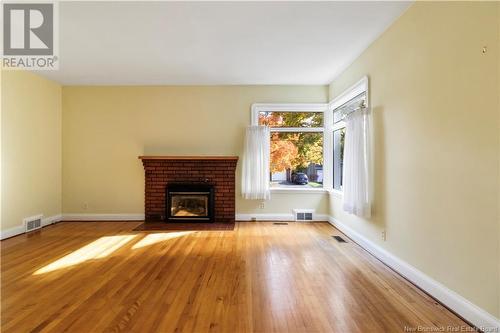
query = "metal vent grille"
{"x": 303, "y": 216}
{"x": 280, "y": 223}
{"x": 339, "y": 239}
{"x": 33, "y": 223}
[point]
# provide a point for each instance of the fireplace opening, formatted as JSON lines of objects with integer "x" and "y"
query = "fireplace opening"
{"x": 189, "y": 202}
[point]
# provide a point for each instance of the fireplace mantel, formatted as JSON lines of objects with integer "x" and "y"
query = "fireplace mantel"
{"x": 231, "y": 158}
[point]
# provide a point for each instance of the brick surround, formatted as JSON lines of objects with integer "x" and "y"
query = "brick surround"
{"x": 218, "y": 171}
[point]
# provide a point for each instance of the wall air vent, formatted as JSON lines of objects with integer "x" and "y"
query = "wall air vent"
{"x": 303, "y": 214}
{"x": 33, "y": 223}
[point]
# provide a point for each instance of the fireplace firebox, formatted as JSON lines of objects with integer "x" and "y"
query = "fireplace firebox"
{"x": 189, "y": 202}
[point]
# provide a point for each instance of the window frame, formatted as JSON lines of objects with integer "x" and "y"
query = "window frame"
{"x": 328, "y": 109}
{"x": 299, "y": 107}
{"x": 360, "y": 87}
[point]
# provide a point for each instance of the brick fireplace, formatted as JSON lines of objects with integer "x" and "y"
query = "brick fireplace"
{"x": 216, "y": 171}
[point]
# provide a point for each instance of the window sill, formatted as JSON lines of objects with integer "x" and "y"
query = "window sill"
{"x": 336, "y": 193}
{"x": 298, "y": 190}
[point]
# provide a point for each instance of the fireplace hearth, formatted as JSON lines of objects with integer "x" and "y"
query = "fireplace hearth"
{"x": 189, "y": 202}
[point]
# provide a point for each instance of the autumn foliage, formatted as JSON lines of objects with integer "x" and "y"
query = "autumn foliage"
{"x": 294, "y": 150}
{"x": 284, "y": 153}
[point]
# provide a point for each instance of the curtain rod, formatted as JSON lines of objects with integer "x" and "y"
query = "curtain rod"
{"x": 355, "y": 104}
{"x": 347, "y": 112}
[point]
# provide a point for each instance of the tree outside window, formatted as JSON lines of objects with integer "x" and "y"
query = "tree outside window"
{"x": 296, "y": 148}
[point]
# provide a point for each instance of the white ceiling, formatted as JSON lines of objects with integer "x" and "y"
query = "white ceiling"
{"x": 208, "y": 43}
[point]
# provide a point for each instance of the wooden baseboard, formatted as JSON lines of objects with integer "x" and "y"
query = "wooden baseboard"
{"x": 455, "y": 302}
{"x": 20, "y": 229}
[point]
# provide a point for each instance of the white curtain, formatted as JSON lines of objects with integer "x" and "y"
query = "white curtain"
{"x": 255, "y": 182}
{"x": 357, "y": 155}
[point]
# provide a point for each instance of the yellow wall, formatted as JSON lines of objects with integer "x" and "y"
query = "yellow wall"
{"x": 1, "y": 167}
{"x": 435, "y": 104}
{"x": 31, "y": 147}
{"x": 106, "y": 128}
{"x": 498, "y": 96}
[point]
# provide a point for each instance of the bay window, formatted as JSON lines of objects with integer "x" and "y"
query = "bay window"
{"x": 307, "y": 140}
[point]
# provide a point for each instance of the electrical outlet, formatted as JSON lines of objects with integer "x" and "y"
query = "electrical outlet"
{"x": 384, "y": 235}
{"x": 85, "y": 205}
{"x": 262, "y": 205}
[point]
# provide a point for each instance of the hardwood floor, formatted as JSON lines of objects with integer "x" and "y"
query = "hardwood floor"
{"x": 261, "y": 277}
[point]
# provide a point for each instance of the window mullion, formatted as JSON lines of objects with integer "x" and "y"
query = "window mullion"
{"x": 339, "y": 125}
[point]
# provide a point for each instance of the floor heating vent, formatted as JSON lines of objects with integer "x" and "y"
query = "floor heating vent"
{"x": 339, "y": 239}
{"x": 303, "y": 215}
{"x": 33, "y": 223}
{"x": 280, "y": 223}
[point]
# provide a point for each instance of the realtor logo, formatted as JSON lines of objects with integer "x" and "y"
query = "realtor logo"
{"x": 29, "y": 35}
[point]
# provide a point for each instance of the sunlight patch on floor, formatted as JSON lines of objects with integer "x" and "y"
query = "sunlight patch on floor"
{"x": 159, "y": 237}
{"x": 99, "y": 248}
